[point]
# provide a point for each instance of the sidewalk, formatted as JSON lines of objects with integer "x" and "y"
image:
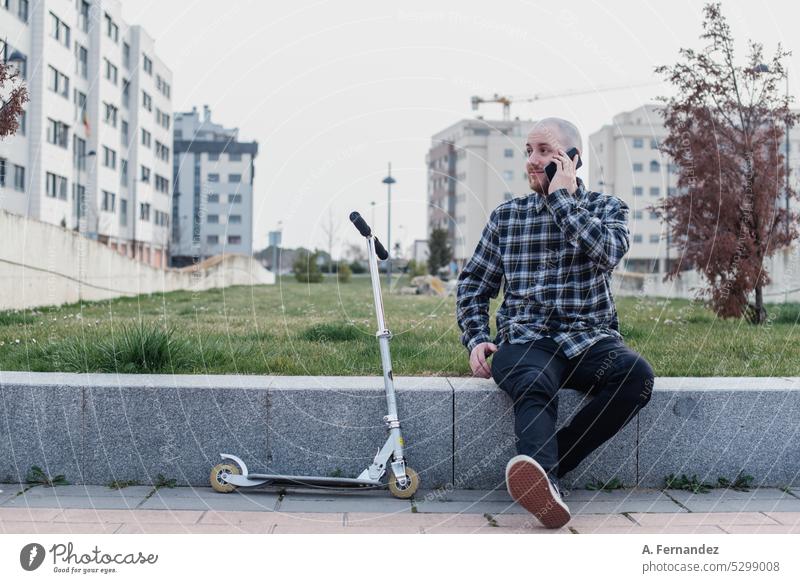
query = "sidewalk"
{"x": 143, "y": 509}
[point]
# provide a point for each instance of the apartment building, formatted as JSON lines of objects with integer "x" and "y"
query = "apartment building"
{"x": 93, "y": 152}
{"x": 213, "y": 203}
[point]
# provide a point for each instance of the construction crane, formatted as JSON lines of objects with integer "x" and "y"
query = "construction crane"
{"x": 507, "y": 100}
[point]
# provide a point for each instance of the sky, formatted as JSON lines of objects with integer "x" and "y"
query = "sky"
{"x": 335, "y": 90}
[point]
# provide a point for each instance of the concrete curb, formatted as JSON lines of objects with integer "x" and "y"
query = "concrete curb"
{"x": 103, "y": 427}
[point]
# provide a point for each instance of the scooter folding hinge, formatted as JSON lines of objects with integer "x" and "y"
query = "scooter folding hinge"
{"x": 391, "y": 421}
{"x": 383, "y": 333}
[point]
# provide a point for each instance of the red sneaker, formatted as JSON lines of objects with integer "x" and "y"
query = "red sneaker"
{"x": 529, "y": 485}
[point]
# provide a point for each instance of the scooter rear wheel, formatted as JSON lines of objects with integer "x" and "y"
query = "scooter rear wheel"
{"x": 409, "y": 489}
{"x": 217, "y": 482}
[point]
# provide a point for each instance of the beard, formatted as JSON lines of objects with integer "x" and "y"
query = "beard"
{"x": 536, "y": 185}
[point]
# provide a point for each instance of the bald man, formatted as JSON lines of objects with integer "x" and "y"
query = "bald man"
{"x": 557, "y": 326}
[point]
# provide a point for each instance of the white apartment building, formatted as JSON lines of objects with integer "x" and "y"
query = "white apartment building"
{"x": 213, "y": 202}
{"x": 473, "y": 166}
{"x": 94, "y": 151}
{"x": 626, "y": 162}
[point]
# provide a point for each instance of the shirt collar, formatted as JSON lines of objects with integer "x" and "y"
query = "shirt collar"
{"x": 580, "y": 195}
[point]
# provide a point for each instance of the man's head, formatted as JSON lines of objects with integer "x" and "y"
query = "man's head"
{"x": 547, "y": 137}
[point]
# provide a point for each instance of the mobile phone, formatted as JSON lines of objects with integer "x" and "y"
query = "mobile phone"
{"x": 551, "y": 168}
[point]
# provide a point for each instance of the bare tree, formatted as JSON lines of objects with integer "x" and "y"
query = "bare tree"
{"x": 14, "y": 95}
{"x": 330, "y": 228}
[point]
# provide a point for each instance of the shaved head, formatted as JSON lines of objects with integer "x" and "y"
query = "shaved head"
{"x": 570, "y": 137}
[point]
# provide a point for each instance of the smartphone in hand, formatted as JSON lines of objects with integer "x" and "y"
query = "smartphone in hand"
{"x": 551, "y": 168}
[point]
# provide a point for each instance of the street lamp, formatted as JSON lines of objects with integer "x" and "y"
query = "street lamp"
{"x": 388, "y": 181}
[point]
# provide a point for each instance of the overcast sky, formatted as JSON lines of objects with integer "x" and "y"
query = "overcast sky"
{"x": 332, "y": 91}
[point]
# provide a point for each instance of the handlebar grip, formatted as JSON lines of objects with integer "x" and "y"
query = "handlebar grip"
{"x": 360, "y": 224}
{"x": 380, "y": 249}
{"x": 364, "y": 229}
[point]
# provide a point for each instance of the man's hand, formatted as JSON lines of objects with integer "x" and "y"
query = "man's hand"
{"x": 565, "y": 176}
{"x": 477, "y": 359}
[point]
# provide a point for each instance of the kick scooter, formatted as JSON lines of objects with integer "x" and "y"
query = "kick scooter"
{"x": 401, "y": 480}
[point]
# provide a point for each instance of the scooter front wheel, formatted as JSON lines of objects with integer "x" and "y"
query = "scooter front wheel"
{"x": 410, "y": 487}
{"x": 217, "y": 482}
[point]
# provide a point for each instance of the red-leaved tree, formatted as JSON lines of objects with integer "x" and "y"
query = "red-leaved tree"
{"x": 14, "y": 95}
{"x": 726, "y": 125}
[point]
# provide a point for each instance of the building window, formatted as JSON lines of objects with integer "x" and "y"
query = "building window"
{"x": 110, "y": 114}
{"x": 638, "y": 143}
{"x": 213, "y": 219}
{"x": 109, "y": 158}
{"x": 57, "y": 133}
{"x": 82, "y": 56}
{"x": 112, "y": 30}
{"x": 213, "y": 198}
{"x": 83, "y": 16}
{"x": 508, "y": 175}
{"x": 126, "y": 93}
{"x": 109, "y": 201}
{"x": 235, "y": 219}
{"x": 80, "y": 105}
{"x": 508, "y": 153}
{"x": 144, "y": 211}
{"x": 234, "y": 178}
{"x": 56, "y": 186}
{"x": 213, "y": 177}
{"x": 147, "y": 101}
{"x": 638, "y": 191}
{"x": 654, "y": 238}
{"x": 22, "y": 10}
{"x": 235, "y": 157}
{"x": 123, "y": 170}
{"x": 637, "y": 238}
{"x": 145, "y": 174}
{"x": 213, "y": 157}
{"x": 655, "y": 166}
{"x": 637, "y": 214}
{"x": 234, "y": 198}
{"x": 654, "y": 216}
{"x": 671, "y": 191}
{"x": 162, "y": 184}
{"x": 655, "y": 191}
{"x": 124, "y": 132}
{"x": 234, "y": 240}
{"x": 162, "y": 151}
{"x": 79, "y": 196}
{"x": 126, "y": 55}
{"x": 19, "y": 178}
{"x": 57, "y": 82}
{"x": 123, "y": 211}
{"x": 59, "y": 30}
{"x": 111, "y": 71}
{"x": 654, "y": 144}
{"x": 3, "y": 164}
{"x": 637, "y": 166}
{"x": 147, "y": 65}
{"x": 145, "y": 138}
{"x": 78, "y": 153}
{"x": 212, "y": 239}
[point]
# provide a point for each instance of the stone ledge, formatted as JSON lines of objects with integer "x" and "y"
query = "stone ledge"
{"x": 102, "y": 427}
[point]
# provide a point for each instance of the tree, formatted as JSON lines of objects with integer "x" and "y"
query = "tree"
{"x": 306, "y": 269}
{"x": 14, "y": 95}
{"x": 330, "y": 228}
{"x": 726, "y": 123}
{"x": 439, "y": 252}
{"x": 343, "y": 272}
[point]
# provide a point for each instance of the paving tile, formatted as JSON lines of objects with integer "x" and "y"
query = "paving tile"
{"x": 414, "y": 519}
{"x": 725, "y": 494}
{"x": 623, "y": 505}
{"x": 444, "y": 495}
{"x": 272, "y": 517}
{"x": 331, "y": 529}
{"x": 303, "y": 503}
{"x": 700, "y": 518}
{"x": 15, "y": 527}
{"x": 29, "y": 514}
{"x": 171, "y": 528}
{"x": 614, "y": 495}
{"x": 764, "y": 529}
{"x": 466, "y": 507}
{"x": 633, "y": 529}
{"x": 8, "y": 491}
{"x": 130, "y": 516}
{"x": 24, "y": 501}
{"x": 223, "y": 503}
{"x": 494, "y": 530}
{"x": 785, "y": 517}
{"x": 757, "y": 505}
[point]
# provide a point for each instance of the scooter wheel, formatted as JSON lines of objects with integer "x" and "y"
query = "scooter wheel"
{"x": 409, "y": 489}
{"x": 217, "y": 482}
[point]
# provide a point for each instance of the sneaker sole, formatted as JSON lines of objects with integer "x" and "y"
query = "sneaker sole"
{"x": 529, "y": 486}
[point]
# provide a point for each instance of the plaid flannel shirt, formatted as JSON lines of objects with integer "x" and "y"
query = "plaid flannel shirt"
{"x": 556, "y": 254}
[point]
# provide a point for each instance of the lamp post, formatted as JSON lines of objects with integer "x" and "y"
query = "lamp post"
{"x": 274, "y": 242}
{"x": 388, "y": 181}
{"x": 372, "y": 204}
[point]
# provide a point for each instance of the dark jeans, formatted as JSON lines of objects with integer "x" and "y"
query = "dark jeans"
{"x": 619, "y": 379}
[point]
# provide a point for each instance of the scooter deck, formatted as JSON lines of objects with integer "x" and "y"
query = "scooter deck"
{"x": 310, "y": 481}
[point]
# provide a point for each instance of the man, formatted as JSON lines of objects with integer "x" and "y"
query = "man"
{"x": 557, "y": 325}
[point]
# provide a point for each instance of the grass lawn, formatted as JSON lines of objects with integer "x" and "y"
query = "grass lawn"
{"x": 329, "y": 329}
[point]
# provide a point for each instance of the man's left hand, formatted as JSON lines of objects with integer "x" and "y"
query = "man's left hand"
{"x": 565, "y": 176}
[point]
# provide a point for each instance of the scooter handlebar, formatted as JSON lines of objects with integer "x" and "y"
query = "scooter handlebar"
{"x": 364, "y": 229}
